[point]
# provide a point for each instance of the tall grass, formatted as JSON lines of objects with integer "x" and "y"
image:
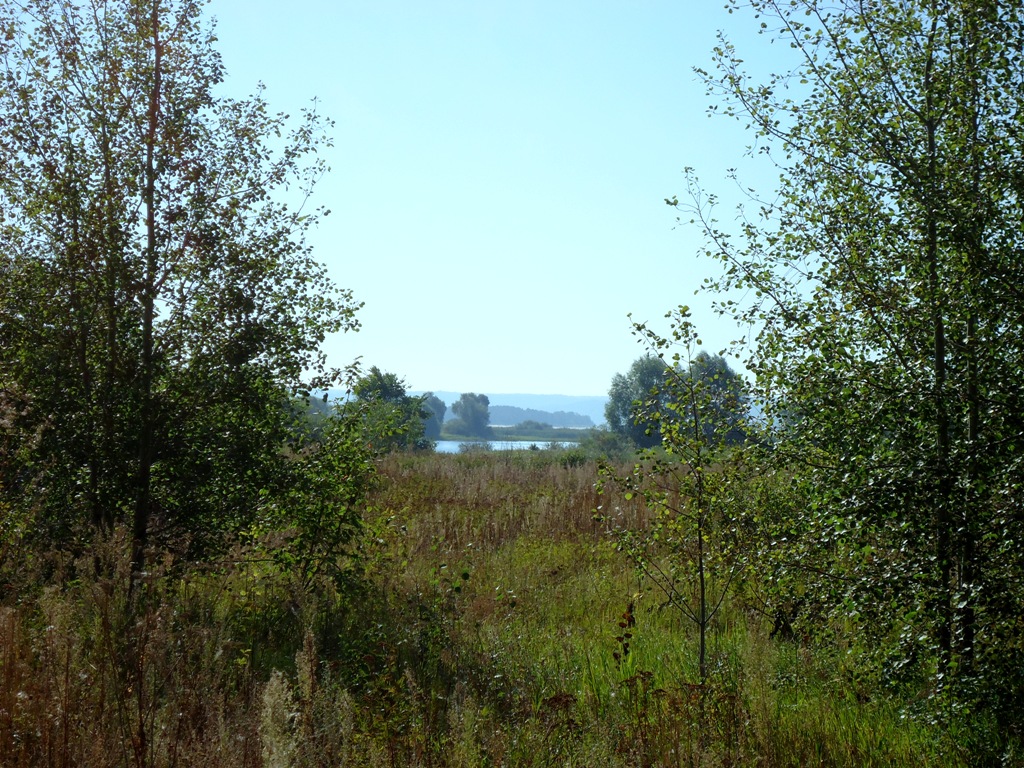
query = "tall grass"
{"x": 95, "y": 676}
{"x": 496, "y": 624}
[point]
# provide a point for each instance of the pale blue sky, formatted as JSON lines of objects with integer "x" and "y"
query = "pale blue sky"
{"x": 499, "y": 171}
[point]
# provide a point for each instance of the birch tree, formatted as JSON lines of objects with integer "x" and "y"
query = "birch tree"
{"x": 885, "y": 279}
{"x": 158, "y": 301}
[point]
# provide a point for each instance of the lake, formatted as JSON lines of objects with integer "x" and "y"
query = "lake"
{"x": 453, "y": 446}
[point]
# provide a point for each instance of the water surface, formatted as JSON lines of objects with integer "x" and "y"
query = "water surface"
{"x": 454, "y": 446}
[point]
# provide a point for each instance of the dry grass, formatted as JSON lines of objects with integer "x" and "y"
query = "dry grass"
{"x": 483, "y": 635}
{"x": 94, "y": 677}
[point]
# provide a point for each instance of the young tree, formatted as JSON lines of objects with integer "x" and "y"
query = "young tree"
{"x": 689, "y": 551}
{"x": 888, "y": 277}
{"x": 158, "y": 303}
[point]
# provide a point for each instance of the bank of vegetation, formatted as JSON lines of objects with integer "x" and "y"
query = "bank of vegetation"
{"x": 528, "y": 431}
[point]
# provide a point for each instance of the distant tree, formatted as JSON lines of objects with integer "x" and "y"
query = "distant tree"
{"x": 391, "y": 418}
{"x": 630, "y": 396}
{"x": 377, "y": 385}
{"x": 533, "y": 426}
{"x": 473, "y": 416}
{"x": 638, "y": 400}
{"x": 725, "y": 405}
{"x": 434, "y": 419}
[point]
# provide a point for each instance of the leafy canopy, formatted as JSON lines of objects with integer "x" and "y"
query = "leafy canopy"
{"x": 159, "y": 305}
{"x": 390, "y": 417}
{"x": 885, "y": 280}
{"x": 473, "y": 416}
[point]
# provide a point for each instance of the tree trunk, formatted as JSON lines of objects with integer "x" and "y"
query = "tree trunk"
{"x": 140, "y": 527}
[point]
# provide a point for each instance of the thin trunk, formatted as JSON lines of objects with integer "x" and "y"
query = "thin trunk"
{"x": 112, "y": 254}
{"x": 698, "y": 500}
{"x": 140, "y": 527}
{"x": 702, "y": 578}
{"x": 968, "y": 532}
{"x": 80, "y": 330}
{"x": 943, "y": 517}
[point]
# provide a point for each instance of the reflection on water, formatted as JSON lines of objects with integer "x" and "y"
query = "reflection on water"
{"x": 455, "y": 446}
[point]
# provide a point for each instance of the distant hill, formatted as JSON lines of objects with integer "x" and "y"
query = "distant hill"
{"x": 510, "y": 415}
{"x": 543, "y": 408}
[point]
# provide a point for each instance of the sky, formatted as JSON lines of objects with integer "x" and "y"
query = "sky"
{"x": 499, "y": 171}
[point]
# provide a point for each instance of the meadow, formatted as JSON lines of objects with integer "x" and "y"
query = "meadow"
{"x": 488, "y": 619}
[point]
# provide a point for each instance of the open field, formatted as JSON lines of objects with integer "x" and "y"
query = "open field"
{"x": 490, "y": 621}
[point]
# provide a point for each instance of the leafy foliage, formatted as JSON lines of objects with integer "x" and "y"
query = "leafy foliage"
{"x": 472, "y": 416}
{"x": 886, "y": 278}
{"x": 314, "y": 519}
{"x": 390, "y": 418}
{"x": 158, "y": 304}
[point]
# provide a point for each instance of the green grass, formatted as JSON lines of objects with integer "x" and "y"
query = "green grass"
{"x": 484, "y": 633}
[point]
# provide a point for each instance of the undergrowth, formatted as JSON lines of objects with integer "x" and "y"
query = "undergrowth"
{"x": 495, "y": 624}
